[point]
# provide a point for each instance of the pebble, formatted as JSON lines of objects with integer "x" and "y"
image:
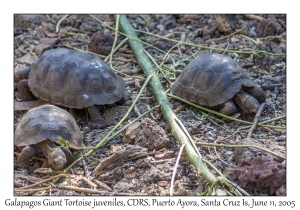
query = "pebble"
{"x": 41, "y": 48}
{"x": 229, "y": 152}
{"x": 160, "y": 27}
{"x": 27, "y": 59}
{"x": 209, "y": 138}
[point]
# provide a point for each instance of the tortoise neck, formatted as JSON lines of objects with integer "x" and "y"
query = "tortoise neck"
{"x": 48, "y": 147}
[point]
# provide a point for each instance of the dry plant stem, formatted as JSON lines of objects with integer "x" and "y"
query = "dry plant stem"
{"x": 175, "y": 169}
{"x": 253, "y": 17}
{"x": 162, "y": 99}
{"x": 241, "y": 146}
{"x": 222, "y": 115}
{"x": 225, "y": 37}
{"x": 86, "y": 190}
{"x": 44, "y": 181}
{"x": 32, "y": 190}
{"x": 252, "y": 40}
{"x": 257, "y": 116}
{"x": 89, "y": 182}
{"x": 59, "y": 22}
{"x": 74, "y": 48}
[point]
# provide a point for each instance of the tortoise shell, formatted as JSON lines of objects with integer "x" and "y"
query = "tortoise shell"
{"x": 74, "y": 79}
{"x": 47, "y": 122}
{"x": 210, "y": 80}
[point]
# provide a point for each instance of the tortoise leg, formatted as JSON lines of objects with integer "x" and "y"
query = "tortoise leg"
{"x": 25, "y": 155}
{"x": 97, "y": 119}
{"x": 24, "y": 91}
{"x": 247, "y": 103}
{"x": 257, "y": 93}
{"x": 72, "y": 112}
{"x": 69, "y": 155}
{"x": 227, "y": 108}
{"x": 126, "y": 97}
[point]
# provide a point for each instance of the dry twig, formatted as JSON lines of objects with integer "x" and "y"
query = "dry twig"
{"x": 175, "y": 168}
{"x": 256, "y": 120}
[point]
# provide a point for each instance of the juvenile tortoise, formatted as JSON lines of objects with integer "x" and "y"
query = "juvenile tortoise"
{"x": 213, "y": 80}
{"x": 39, "y": 130}
{"x": 76, "y": 80}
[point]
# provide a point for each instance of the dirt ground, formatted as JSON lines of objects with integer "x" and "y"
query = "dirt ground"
{"x": 141, "y": 160}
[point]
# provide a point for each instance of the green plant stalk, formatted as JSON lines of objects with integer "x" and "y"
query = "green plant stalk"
{"x": 107, "y": 138}
{"x": 114, "y": 135}
{"x": 226, "y": 181}
{"x": 107, "y": 26}
{"x": 157, "y": 66}
{"x": 264, "y": 122}
{"x": 162, "y": 99}
{"x": 241, "y": 146}
{"x": 115, "y": 40}
{"x": 255, "y": 52}
{"x": 133, "y": 121}
{"x": 222, "y": 115}
{"x": 116, "y": 48}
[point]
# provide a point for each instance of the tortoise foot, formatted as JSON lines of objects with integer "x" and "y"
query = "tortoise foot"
{"x": 24, "y": 157}
{"x": 97, "y": 120}
{"x": 24, "y": 91}
{"x": 97, "y": 125}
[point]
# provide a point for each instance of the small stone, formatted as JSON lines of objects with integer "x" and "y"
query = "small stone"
{"x": 26, "y": 21}
{"x": 21, "y": 72}
{"x": 131, "y": 133}
{"x": 41, "y": 48}
{"x": 210, "y": 138}
{"x": 165, "y": 155}
{"x": 50, "y": 41}
{"x": 229, "y": 152}
{"x": 163, "y": 183}
{"x": 160, "y": 27}
{"x": 27, "y": 59}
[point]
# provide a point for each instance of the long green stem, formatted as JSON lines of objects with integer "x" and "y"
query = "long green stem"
{"x": 241, "y": 146}
{"x": 162, "y": 99}
{"x": 255, "y": 52}
{"x": 222, "y": 115}
{"x": 115, "y": 40}
{"x": 107, "y": 138}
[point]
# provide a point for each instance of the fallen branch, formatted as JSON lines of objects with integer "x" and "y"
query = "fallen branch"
{"x": 44, "y": 181}
{"x": 175, "y": 169}
{"x": 162, "y": 99}
{"x": 257, "y": 116}
{"x": 86, "y": 190}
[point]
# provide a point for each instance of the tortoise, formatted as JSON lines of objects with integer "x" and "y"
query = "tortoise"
{"x": 75, "y": 80}
{"x": 216, "y": 81}
{"x": 39, "y": 130}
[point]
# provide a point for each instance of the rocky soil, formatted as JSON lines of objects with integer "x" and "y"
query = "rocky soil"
{"x": 141, "y": 160}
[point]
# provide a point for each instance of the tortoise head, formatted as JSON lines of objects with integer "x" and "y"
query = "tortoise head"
{"x": 55, "y": 155}
{"x": 57, "y": 159}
